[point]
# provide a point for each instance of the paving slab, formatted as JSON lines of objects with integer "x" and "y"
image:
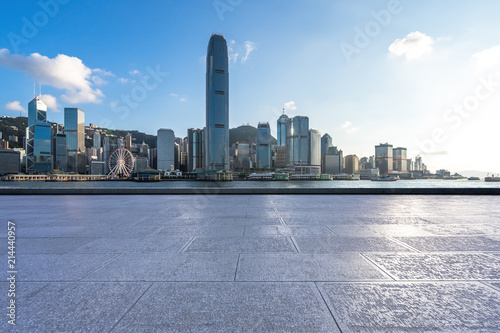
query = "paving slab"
{"x": 241, "y": 245}
{"x": 149, "y": 244}
{"x": 229, "y": 307}
{"x": 286, "y": 230}
{"x": 46, "y": 245}
{"x": 231, "y": 221}
{"x": 306, "y": 267}
{"x": 200, "y": 231}
{"x": 446, "y": 266}
{"x": 452, "y": 243}
{"x": 413, "y": 307}
{"x": 72, "y": 307}
{"x": 347, "y": 244}
{"x": 168, "y": 267}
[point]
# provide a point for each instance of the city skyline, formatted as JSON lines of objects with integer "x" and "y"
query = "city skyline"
{"x": 410, "y": 84}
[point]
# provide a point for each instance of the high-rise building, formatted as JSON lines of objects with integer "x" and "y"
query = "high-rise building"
{"x": 326, "y": 142}
{"x": 280, "y": 157}
{"x": 195, "y": 149}
{"x": 128, "y": 141}
{"x": 418, "y": 166}
{"x": 263, "y": 146}
{"x": 96, "y": 138}
{"x": 61, "y": 152}
{"x": 165, "y": 149}
{"x": 315, "y": 148}
{"x": 384, "y": 158}
{"x": 217, "y": 105}
{"x": 400, "y": 162}
{"x": 38, "y": 138}
{"x": 282, "y": 121}
{"x": 351, "y": 163}
{"x": 74, "y": 128}
{"x": 297, "y": 141}
{"x": 333, "y": 161}
{"x": 242, "y": 155}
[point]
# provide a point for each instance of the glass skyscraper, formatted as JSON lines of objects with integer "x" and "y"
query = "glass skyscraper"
{"x": 282, "y": 121}
{"x": 74, "y": 128}
{"x": 196, "y": 149}
{"x": 217, "y": 105}
{"x": 315, "y": 148}
{"x": 38, "y": 138}
{"x": 384, "y": 158}
{"x": 263, "y": 143}
{"x": 297, "y": 141}
{"x": 165, "y": 140}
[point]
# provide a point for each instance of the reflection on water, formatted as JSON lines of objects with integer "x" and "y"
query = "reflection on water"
{"x": 423, "y": 183}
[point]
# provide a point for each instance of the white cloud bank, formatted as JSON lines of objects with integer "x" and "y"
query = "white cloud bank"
{"x": 413, "y": 46}
{"x": 14, "y": 106}
{"x": 488, "y": 59}
{"x": 234, "y": 50}
{"x": 290, "y": 106}
{"x": 62, "y": 72}
{"x": 50, "y": 101}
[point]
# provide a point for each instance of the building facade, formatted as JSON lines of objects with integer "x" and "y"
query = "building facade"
{"x": 297, "y": 141}
{"x": 351, "y": 163}
{"x": 400, "y": 162}
{"x": 217, "y": 105}
{"x": 165, "y": 149}
{"x": 195, "y": 149}
{"x": 263, "y": 146}
{"x": 384, "y": 158}
{"x": 38, "y": 138}
{"x": 281, "y": 129}
{"x": 315, "y": 148}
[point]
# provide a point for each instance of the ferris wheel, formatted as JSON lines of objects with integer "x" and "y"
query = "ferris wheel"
{"x": 121, "y": 163}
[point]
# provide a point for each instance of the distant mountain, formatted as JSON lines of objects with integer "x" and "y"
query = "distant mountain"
{"x": 245, "y": 133}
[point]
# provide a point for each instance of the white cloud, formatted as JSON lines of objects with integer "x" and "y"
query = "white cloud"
{"x": 174, "y": 95}
{"x": 352, "y": 130}
{"x": 290, "y": 106}
{"x": 183, "y": 99}
{"x": 122, "y": 80}
{"x": 14, "y": 106}
{"x": 413, "y": 46}
{"x": 135, "y": 72}
{"x": 51, "y": 102}
{"x": 346, "y": 124}
{"x": 487, "y": 59}
{"x": 249, "y": 48}
{"x": 113, "y": 104}
{"x": 62, "y": 72}
{"x": 98, "y": 76}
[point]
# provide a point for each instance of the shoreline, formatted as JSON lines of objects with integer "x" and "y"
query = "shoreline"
{"x": 250, "y": 191}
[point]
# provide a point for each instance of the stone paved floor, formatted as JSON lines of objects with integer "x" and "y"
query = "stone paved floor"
{"x": 254, "y": 263}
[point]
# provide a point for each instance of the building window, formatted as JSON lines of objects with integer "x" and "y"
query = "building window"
{"x": 219, "y": 71}
{"x": 219, "y": 92}
{"x": 219, "y": 126}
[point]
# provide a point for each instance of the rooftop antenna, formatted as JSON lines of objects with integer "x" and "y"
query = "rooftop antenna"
{"x": 283, "y": 109}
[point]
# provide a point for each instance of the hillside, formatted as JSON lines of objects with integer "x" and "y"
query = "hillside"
{"x": 244, "y": 133}
{"x": 21, "y": 123}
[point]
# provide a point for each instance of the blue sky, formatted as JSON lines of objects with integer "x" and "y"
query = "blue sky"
{"x": 417, "y": 74}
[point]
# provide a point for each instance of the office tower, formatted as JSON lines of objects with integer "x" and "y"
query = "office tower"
{"x": 195, "y": 149}
{"x": 326, "y": 142}
{"x": 128, "y": 141}
{"x": 74, "y": 128}
{"x": 333, "y": 161}
{"x": 315, "y": 148}
{"x": 165, "y": 149}
{"x": 418, "y": 166}
{"x": 177, "y": 155}
{"x": 106, "y": 151}
{"x": 10, "y": 161}
{"x": 61, "y": 152}
{"x": 38, "y": 138}
{"x": 242, "y": 155}
{"x": 152, "y": 156}
{"x": 280, "y": 157}
{"x": 263, "y": 146}
{"x": 383, "y": 158}
{"x": 96, "y": 140}
{"x": 351, "y": 164}
{"x": 217, "y": 105}
{"x": 297, "y": 141}
{"x": 282, "y": 121}
{"x": 371, "y": 160}
{"x": 400, "y": 162}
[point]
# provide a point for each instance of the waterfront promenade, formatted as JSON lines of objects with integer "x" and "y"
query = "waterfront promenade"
{"x": 253, "y": 263}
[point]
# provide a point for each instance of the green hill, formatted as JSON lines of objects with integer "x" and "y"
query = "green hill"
{"x": 245, "y": 133}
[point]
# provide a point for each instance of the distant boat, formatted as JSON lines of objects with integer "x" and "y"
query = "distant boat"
{"x": 492, "y": 179}
{"x": 385, "y": 178}
{"x": 474, "y": 178}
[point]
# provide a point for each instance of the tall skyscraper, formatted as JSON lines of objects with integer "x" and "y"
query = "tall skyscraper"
{"x": 38, "y": 138}
{"x": 282, "y": 121}
{"x": 400, "y": 162}
{"x": 351, "y": 163}
{"x": 315, "y": 148}
{"x": 333, "y": 161}
{"x": 165, "y": 149}
{"x": 74, "y": 128}
{"x": 195, "y": 149}
{"x": 297, "y": 141}
{"x": 326, "y": 142}
{"x": 384, "y": 158}
{"x": 263, "y": 146}
{"x": 217, "y": 105}
{"x": 96, "y": 140}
